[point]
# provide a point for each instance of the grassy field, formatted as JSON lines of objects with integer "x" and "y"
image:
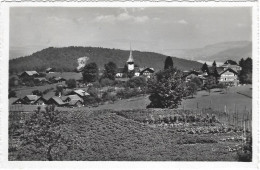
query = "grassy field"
{"x": 218, "y": 99}
{"x": 107, "y": 135}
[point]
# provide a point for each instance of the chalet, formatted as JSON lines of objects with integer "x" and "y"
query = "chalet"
{"x": 56, "y": 101}
{"x": 231, "y": 64}
{"x": 120, "y": 72}
{"x": 59, "y": 80}
{"x": 15, "y": 100}
{"x": 30, "y": 99}
{"x": 42, "y": 80}
{"x": 28, "y": 74}
{"x": 49, "y": 70}
{"x": 79, "y": 92}
{"x": 229, "y": 76}
{"x": 75, "y": 103}
{"x": 71, "y": 97}
{"x": 40, "y": 101}
{"x": 147, "y": 72}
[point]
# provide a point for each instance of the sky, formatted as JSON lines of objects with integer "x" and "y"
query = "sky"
{"x": 155, "y": 29}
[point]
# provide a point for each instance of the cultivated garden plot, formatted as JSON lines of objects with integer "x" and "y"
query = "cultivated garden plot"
{"x": 145, "y": 134}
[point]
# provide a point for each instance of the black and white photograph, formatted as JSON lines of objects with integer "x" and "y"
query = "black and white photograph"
{"x": 131, "y": 84}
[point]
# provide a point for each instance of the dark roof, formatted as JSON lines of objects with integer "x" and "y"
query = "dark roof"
{"x": 57, "y": 100}
{"x": 231, "y": 62}
{"x": 151, "y": 70}
{"x": 41, "y": 98}
{"x": 228, "y": 69}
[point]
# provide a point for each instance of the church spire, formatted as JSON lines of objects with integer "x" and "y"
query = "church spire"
{"x": 130, "y": 59}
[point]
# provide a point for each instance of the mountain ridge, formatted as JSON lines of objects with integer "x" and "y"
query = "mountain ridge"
{"x": 65, "y": 59}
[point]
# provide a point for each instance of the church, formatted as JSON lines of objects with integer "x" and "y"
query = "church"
{"x": 131, "y": 68}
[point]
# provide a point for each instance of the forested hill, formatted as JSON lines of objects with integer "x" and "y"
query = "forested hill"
{"x": 65, "y": 59}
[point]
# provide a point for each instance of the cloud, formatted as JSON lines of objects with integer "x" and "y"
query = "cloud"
{"x": 182, "y": 22}
{"x": 125, "y": 16}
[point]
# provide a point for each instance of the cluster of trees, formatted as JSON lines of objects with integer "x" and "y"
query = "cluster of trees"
{"x": 245, "y": 75}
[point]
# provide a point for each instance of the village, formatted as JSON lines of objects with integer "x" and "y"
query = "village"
{"x": 75, "y": 96}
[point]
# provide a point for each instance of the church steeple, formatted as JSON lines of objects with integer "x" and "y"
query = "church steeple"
{"x": 130, "y": 59}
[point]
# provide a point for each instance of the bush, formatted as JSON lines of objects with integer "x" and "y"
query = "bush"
{"x": 71, "y": 83}
{"x": 136, "y": 82}
{"x": 37, "y": 92}
{"x": 11, "y": 93}
{"x": 106, "y": 82}
{"x": 245, "y": 154}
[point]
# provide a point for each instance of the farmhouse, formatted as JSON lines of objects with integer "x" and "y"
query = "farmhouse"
{"x": 75, "y": 103}
{"x": 79, "y": 92}
{"x": 120, "y": 72}
{"x": 40, "y": 101}
{"x": 56, "y": 101}
{"x": 15, "y": 100}
{"x": 59, "y": 80}
{"x": 30, "y": 99}
{"x": 28, "y": 74}
{"x": 231, "y": 64}
{"x": 229, "y": 76}
{"x": 147, "y": 72}
{"x": 49, "y": 70}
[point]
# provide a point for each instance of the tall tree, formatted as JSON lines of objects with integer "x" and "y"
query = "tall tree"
{"x": 168, "y": 63}
{"x": 241, "y": 63}
{"x": 90, "y": 72}
{"x": 166, "y": 89}
{"x": 205, "y": 68}
{"x": 110, "y": 70}
{"x": 214, "y": 64}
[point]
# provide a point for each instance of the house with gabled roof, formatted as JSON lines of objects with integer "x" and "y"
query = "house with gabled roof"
{"x": 49, "y": 70}
{"x": 28, "y": 74}
{"x": 16, "y": 100}
{"x": 40, "y": 101}
{"x": 30, "y": 99}
{"x": 229, "y": 76}
{"x": 55, "y": 100}
{"x": 81, "y": 93}
{"x": 147, "y": 72}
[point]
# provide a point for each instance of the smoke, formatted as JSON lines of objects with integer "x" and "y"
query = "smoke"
{"x": 82, "y": 61}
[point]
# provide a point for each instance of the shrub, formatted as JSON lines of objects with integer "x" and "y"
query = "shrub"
{"x": 136, "y": 82}
{"x": 106, "y": 82}
{"x": 37, "y": 92}
{"x": 245, "y": 153}
{"x": 71, "y": 83}
{"x": 11, "y": 93}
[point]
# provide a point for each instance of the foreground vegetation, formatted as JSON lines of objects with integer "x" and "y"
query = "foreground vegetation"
{"x": 113, "y": 135}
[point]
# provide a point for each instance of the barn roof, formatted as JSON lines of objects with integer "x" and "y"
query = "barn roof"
{"x": 32, "y": 97}
{"x": 73, "y": 102}
{"x": 81, "y": 92}
{"x": 13, "y": 99}
{"x": 57, "y": 100}
{"x": 31, "y": 73}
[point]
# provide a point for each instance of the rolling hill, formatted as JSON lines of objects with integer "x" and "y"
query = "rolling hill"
{"x": 220, "y": 52}
{"x": 65, "y": 59}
